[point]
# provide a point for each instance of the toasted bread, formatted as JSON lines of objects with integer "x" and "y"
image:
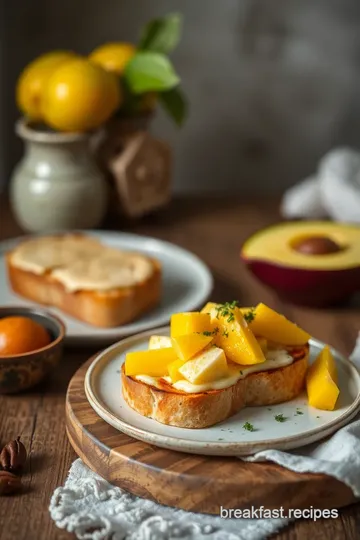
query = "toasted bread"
{"x": 176, "y": 408}
{"x": 104, "y": 307}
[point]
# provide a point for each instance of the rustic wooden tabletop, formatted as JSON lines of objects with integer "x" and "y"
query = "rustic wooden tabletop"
{"x": 214, "y": 229}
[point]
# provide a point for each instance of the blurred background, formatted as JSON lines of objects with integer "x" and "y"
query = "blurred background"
{"x": 272, "y": 85}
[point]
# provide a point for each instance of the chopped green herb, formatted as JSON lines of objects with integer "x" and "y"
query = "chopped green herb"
{"x": 299, "y": 412}
{"x": 225, "y": 333}
{"x": 318, "y": 417}
{"x": 227, "y": 310}
{"x": 248, "y": 426}
{"x": 280, "y": 418}
{"x": 209, "y": 333}
{"x": 241, "y": 372}
{"x": 269, "y": 409}
{"x": 250, "y": 315}
{"x": 220, "y": 439}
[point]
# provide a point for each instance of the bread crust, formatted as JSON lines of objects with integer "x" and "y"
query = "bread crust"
{"x": 104, "y": 309}
{"x": 177, "y": 408}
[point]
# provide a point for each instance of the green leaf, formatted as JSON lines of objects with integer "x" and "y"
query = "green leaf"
{"x": 150, "y": 72}
{"x": 163, "y": 34}
{"x": 174, "y": 102}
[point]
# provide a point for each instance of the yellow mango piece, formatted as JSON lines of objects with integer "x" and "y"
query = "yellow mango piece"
{"x": 263, "y": 344}
{"x": 321, "y": 382}
{"x": 207, "y": 366}
{"x": 173, "y": 370}
{"x": 275, "y": 327}
{"x": 187, "y": 346}
{"x": 188, "y": 323}
{"x": 159, "y": 342}
{"x": 208, "y": 307}
{"x": 153, "y": 363}
{"x": 232, "y": 334}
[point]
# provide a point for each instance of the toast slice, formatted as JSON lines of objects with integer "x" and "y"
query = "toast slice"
{"x": 84, "y": 278}
{"x": 176, "y": 408}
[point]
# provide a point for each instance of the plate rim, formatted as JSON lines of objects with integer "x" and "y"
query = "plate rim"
{"x": 102, "y": 336}
{"x": 218, "y": 448}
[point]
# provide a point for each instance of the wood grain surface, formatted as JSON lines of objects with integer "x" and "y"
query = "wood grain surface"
{"x": 214, "y": 229}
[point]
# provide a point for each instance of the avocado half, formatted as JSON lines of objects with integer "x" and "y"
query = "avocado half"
{"x": 312, "y": 263}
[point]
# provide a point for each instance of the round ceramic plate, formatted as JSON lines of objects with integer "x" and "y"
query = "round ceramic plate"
{"x": 303, "y": 424}
{"x": 187, "y": 283}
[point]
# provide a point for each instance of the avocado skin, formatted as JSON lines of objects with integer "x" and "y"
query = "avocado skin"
{"x": 309, "y": 288}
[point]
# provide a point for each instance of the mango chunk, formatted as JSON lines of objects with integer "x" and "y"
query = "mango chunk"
{"x": 232, "y": 334}
{"x": 173, "y": 370}
{"x": 263, "y": 344}
{"x": 208, "y": 307}
{"x": 187, "y": 346}
{"x": 159, "y": 342}
{"x": 275, "y": 327}
{"x": 188, "y": 323}
{"x": 209, "y": 365}
{"x": 321, "y": 382}
{"x": 153, "y": 363}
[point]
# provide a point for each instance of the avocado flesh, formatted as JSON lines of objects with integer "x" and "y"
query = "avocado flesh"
{"x": 303, "y": 279}
{"x": 276, "y": 245}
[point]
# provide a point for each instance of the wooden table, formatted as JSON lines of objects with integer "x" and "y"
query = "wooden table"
{"x": 213, "y": 229}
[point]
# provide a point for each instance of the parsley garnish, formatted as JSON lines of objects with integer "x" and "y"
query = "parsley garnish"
{"x": 280, "y": 418}
{"x": 225, "y": 333}
{"x": 250, "y": 316}
{"x": 209, "y": 333}
{"x": 298, "y": 411}
{"x": 227, "y": 310}
{"x": 248, "y": 426}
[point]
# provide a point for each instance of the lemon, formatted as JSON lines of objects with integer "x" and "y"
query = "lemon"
{"x": 113, "y": 56}
{"x": 80, "y": 96}
{"x": 30, "y": 85}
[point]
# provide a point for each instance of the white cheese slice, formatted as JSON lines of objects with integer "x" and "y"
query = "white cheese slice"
{"x": 159, "y": 342}
{"x": 207, "y": 366}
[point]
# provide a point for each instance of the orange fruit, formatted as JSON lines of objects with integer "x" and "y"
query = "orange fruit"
{"x": 113, "y": 56}
{"x": 20, "y": 335}
{"x": 30, "y": 85}
{"x": 80, "y": 96}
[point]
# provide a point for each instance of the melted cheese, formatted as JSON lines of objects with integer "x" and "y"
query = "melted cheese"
{"x": 82, "y": 263}
{"x": 274, "y": 359}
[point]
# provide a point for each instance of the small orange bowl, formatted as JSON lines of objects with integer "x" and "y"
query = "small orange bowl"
{"x": 21, "y": 371}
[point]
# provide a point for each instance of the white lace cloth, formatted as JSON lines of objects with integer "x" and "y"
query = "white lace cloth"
{"x": 333, "y": 191}
{"x": 93, "y": 509}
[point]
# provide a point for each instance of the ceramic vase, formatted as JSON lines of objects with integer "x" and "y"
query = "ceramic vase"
{"x": 57, "y": 185}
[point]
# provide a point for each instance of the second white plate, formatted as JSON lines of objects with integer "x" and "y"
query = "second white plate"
{"x": 303, "y": 424}
{"x": 187, "y": 282}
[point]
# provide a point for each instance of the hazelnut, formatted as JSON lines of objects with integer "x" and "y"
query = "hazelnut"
{"x": 9, "y": 483}
{"x": 316, "y": 245}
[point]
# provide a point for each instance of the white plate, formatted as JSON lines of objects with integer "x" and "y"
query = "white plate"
{"x": 228, "y": 438}
{"x": 187, "y": 283}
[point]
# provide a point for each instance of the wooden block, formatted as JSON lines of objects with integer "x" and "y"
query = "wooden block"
{"x": 142, "y": 174}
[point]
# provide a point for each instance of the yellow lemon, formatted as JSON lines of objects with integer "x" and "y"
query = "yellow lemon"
{"x": 80, "y": 96}
{"x": 113, "y": 56}
{"x": 30, "y": 85}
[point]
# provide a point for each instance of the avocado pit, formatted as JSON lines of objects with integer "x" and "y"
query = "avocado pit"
{"x": 316, "y": 245}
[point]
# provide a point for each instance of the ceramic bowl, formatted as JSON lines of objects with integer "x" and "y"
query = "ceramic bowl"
{"x": 21, "y": 371}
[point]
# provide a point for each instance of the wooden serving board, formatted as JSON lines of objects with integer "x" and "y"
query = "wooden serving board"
{"x": 192, "y": 482}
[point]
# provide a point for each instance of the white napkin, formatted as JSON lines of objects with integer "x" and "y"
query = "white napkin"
{"x": 334, "y": 190}
{"x": 91, "y": 508}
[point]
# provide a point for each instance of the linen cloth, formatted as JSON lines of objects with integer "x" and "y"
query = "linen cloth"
{"x": 91, "y": 508}
{"x": 333, "y": 191}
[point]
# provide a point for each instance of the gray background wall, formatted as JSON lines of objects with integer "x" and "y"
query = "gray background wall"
{"x": 273, "y": 84}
